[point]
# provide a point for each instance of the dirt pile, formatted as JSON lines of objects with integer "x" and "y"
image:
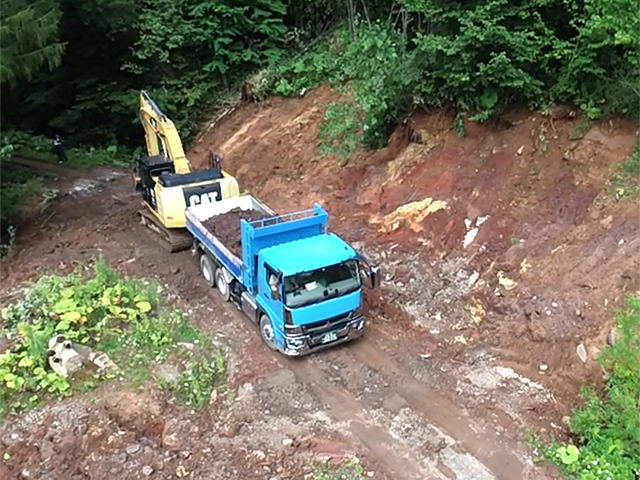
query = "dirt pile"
{"x": 226, "y": 227}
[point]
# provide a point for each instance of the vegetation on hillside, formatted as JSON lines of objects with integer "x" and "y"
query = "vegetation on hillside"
{"x": 125, "y": 318}
{"x": 81, "y": 63}
{"x": 76, "y": 66}
{"x": 607, "y": 428}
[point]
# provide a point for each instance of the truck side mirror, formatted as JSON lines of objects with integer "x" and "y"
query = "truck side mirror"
{"x": 374, "y": 276}
{"x": 370, "y": 272}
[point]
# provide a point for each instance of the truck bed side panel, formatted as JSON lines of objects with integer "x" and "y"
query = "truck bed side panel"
{"x": 214, "y": 246}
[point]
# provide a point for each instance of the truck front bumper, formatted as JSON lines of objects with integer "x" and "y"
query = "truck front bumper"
{"x": 305, "y": 344}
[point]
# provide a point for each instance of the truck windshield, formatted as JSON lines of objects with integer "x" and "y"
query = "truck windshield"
{"x": 318, "y": 285}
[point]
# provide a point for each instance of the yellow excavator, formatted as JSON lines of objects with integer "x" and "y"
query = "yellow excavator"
{"x": 167, "y": 183}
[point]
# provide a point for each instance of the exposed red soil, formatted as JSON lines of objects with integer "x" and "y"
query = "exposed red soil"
{"x": 552, "y": 228}
{"x": 543, "y": 193}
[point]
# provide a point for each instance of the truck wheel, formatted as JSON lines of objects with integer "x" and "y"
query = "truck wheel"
{"x": 267, "y": 332}
{"x": 208, "y": 270}
{"x": 223, "y": 286}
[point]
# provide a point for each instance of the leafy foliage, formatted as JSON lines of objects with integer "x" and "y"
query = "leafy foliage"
{"x": 348, "y": 470}
{"x": 122, "y": 317}
{"x": 607, "y": 430}
{"x": 626, "y": 175}
{"x": 29, "y": 38}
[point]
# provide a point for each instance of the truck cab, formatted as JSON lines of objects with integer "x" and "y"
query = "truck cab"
{"x": 311, "y": 291}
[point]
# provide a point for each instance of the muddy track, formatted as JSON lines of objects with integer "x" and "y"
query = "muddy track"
{"x": 399, "y": 459}
{"x": 417, "y": 432}
{"x": 46, "y": 167}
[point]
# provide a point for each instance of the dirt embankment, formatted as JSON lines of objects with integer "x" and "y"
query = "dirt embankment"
{"x": 508, "y": 237}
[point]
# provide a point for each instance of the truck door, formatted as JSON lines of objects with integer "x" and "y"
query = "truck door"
{"x": 270, "y": 294}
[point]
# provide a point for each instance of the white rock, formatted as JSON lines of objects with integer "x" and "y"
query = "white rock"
{"x": 582, "y": 352}
{"x": 147, "y": 470}
{"x": 554, "y": 305}
{"x": 544, "y": 367}
{"x": 286, "y": 442}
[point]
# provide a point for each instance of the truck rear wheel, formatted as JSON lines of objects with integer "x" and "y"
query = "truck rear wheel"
{"x": 208, "y": 270}
{"x": 267, "y": 333}
{"x": 223, "y": 286}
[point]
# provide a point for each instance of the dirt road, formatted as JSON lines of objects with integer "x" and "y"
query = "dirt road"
{"x": 485, "y": 265}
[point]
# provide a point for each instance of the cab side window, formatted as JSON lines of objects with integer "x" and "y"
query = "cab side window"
{"x": 274, "y": 284}
{"x": 272, "y": 278}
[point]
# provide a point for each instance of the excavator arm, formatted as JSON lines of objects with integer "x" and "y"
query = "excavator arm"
{"x": 161, "y": 134}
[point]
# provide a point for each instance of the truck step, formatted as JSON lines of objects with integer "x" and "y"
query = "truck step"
{"x": 175, "y": 239}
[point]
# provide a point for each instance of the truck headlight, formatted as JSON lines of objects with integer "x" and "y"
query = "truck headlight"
{"x": 295, "y": 342}
{"x": 292, "y": 330}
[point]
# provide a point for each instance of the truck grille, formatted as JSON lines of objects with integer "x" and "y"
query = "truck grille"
{"x": 320, "y": 328}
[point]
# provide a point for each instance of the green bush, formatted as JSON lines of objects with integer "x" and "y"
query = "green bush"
{"x": 372, "y": 70}
{"x": 607, "y": 429}
{"x": 124, "y": 318}
{"x": 348, "y": 470}
{"x": 626, "y": 175}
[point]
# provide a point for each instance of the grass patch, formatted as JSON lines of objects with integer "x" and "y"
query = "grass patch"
{"x": 22, "y": 192}
{"x": 125, "y": 318}
{"x": 80, "y": 157}
{"x": 625, "y": 179}
{"x": 606, "y": 430}
{"x": 349, "y": 470}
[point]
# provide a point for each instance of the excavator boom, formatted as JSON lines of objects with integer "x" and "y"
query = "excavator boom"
{"x": 161, "y": 134}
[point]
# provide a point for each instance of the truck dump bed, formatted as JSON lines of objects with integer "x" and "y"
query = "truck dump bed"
{"x": 217, "y": 226}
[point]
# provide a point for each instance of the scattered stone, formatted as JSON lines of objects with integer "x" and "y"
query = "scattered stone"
{"x": 612, "y": 337}
{"x": 287, "y": 442}
{"x": 566, "y": 419}
{"x": 185, "y": 454}
{"x": 25, "y": 473}
{"x": 181, "y": 471}
{"x": 147, "y": 470}
{"x": 133, "y": 448}
{"x": 187, "y": 345}
{"x": 554, "y": 305}
{"x": 548, "y": 312}
{"x": 582, "y": 353}
{"x": 214, "y": 397}
{"x": 544, "y": 367}
{"x": 538, "y": 332}
{"x": 230, "y": 430}
{"x": 394, "y": 403}
{"x": 578, "y": 313}
{"x": 606, "y": 222}
{"x": 244, "y": 391}
{"x": 121, "y": 458}
{"x": 170, "y": 438}
{"x": 520, "y": 150}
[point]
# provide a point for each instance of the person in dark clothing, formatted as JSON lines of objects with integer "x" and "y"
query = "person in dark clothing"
{"x": 58, "y": 144}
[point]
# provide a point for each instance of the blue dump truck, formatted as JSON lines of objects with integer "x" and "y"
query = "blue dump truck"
{"x": 301, "y": 285}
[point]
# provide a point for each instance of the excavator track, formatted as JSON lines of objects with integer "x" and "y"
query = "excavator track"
{"x": 176, "y": 239}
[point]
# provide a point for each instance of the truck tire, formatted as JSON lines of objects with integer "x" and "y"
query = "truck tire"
{"x": 267, "y": 333}
{"x": 208, "y": 270}
{"x": 223, "y": 286}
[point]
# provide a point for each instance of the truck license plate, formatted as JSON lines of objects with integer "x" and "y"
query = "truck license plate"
{"x": 329, "y": 337}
